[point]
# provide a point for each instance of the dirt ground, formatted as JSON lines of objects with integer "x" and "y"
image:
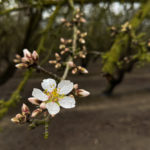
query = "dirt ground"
{"x": 119, "y": 122}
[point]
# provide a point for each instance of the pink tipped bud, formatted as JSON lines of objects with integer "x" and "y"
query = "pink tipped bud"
{"x": 15, "y": 120}
{"x": 25, "y": 59}
{"x": 19, "y": 116}
{"x": 21, "y": 66}
{"x": 25, "y": 109}
{"x": 58, "y": 65}
{"x": 35, "y": 55}
{"x": 16, "y": 61}
{"x": 52, "y": 61}
{"x": 63, "y": 20}
{"x": 62, "y": 40}
{"x": 43, "y": 105}
{"x": 75, "y": 86}
{"x": 34, "y": 101}
{"x": 74, "y": 71}
{"x": 69, "y": 41}
{"x": 83, "y": 34}
{"x": 66, "y": 49}
{"x": 26, "y": 53}
{"x": 36, "y": 112}
{"x": 83, "y": 70}
{"x": 82, "y": 20}
{"x": 57, "y": 56}
{"x": 81, "y": 40}
{"x": 82, "y": 93}
{"x": 62, "y": 46}
{"x": 18, "y": 56}
{"x": 71, "y": 63}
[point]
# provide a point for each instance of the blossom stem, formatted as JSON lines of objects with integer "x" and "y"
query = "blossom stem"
{"x": 74, "y": 43}
{"x": 41, "y": 69}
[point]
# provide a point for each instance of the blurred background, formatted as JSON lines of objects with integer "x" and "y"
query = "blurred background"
{"x": 116, "y": 114}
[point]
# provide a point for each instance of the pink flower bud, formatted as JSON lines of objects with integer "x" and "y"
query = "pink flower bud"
{"x": 81, "y": 40}
{"x": 21, "y": 66}
{"x": 52, "y": 61}
{"x": 34, "y": 101}
{"x": 75, "y": 86}
{"x": 71, "y": 63}
{"x": 62, "y": 40}
{"x": 36, "y": 112}
{"x": 58, "y": 65}
{"x": 26, "y": 53}
{"x": 74, "y": 71}
{"x": 82, "y": 93}
{"x": 35, "y": 55}
{"x": 25, "y": 109}
{"x": 43, "y": 105}
{"x": 19, "y": 116}
{"x": 83, "y": 70}
{"x": 18, "y": 56}
{"x": 63, "y": 20}
{"x": 25, "y": 59}
{"x": 82, "y": 20}
{"x": 15, "y": 120}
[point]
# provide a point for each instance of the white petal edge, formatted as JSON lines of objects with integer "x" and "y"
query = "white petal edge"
{"x": 53, "y": 108}
{"x": 48, "y": 84}
{"x": 64, "y": 87}
{"x": 37, "y": 93}
{"x": 67, "y": 102}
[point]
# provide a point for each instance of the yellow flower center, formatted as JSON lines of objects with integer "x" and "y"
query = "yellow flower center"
{"x": 53, "y": 96}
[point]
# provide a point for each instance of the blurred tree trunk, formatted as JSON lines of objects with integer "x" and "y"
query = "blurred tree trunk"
{"x": 120, "y": 49}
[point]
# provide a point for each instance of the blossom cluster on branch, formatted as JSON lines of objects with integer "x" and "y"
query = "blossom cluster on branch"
{"x": 57, "y": 91}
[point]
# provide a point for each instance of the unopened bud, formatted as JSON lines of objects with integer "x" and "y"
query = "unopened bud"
{"x": 43, "y": 105}
{"x": 21, "y": 66}
{"x": 52, "y": 61}
{"x": 16, "y": 61}
{"x": 27, "y": 53}
{"x": 83, "y": 34}
{"x": 25, "y": 59}
{"x": 71, "y": 63}
{"x": 62, "y": 46}
{"x": 82, "y": 20}
{"x": 35, "y": 55}
{"x": 62, "y": 40}
{"x": 14, "y": 120}
{"x": 19, "y": 116}
{"x": 81, "y": 40}
{"x": 75, "y": 86}
{"x": 82, "y": 93}
{"x": 74, "y": 71}
{"x": 36, "y": 112}
{"x": 25, "y": 109}
{"x": 18, "y": 56}
{"x": 83, "y": 70}
{"x": 63, "y": 20}
{"x": 34, "y": 101}
{"x": 58, "y": 65}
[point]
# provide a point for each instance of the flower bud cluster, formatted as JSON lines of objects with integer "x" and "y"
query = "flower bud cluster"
{"x": 66, "y": 46}
{"x": 22, "y": 117}
{"x": 29, "y": 59}
{"x": 78, "y": 19}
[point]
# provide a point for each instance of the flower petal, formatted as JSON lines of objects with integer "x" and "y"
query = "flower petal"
{"x": 48, "y": 84}
{"x": 64, "y": 87}
{"x": 53, "y": 108}
{"x": 39, "y": 95}
{"x": 67, "y": 102}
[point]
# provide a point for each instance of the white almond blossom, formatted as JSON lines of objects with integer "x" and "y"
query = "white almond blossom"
{"x": 53, "y": 96}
